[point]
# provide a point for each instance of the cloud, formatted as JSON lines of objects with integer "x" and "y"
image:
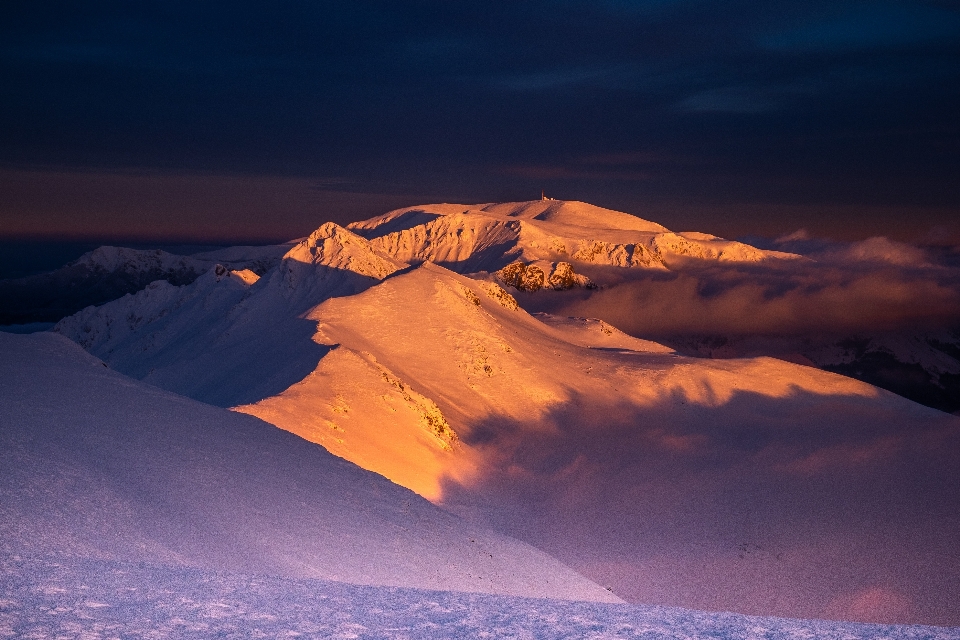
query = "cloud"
{"x": 877, "y": 250}
{"x": 439, "y": 96}
{"x": 882, "y": 250}
{"x": 549, "y": 80}
{"x": 819, "y": 300}
{"x": 871, "y": 285}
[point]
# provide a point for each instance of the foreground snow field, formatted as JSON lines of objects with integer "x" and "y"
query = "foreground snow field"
{"x": 55, "y": 598}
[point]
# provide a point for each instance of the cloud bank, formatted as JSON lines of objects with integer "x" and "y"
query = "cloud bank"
{"x": 867, "y": 286}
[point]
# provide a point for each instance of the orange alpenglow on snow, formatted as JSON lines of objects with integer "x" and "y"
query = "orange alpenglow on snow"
{"x": 753, "y": 484}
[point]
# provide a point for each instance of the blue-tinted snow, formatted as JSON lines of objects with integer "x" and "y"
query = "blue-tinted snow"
{"x": 47, "y": 598}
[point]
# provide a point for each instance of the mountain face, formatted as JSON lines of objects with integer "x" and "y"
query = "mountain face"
{"x": 754, "y": 484}
{"x": 99, "y": 467}
{"x": 226, "y": 339}
{"x": 488, "y": 237}
{"x": 108, "y": 273}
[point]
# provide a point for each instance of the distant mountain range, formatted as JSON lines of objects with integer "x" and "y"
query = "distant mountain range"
{"x": 108, "y": 273}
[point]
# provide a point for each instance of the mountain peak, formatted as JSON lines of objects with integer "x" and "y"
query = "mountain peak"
{"x": 574, "y": 214}
{"x": 338, "y": 248}
{"x": 488, "y": 237}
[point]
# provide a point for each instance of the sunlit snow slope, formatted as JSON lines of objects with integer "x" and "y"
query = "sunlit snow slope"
{"x": 752, "y": 485}
{"x": 487, "y": 237}
{"x": 99, "y": 466}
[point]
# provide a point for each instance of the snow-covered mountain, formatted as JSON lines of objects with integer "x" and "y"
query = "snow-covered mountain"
{"x": 108, "y": 273}
{"x": 98, "y": 466}
{"x": 489, "y": 237}
{"x": 753, "y": 485}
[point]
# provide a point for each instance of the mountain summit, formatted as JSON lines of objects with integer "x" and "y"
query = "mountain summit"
{"x": 488, "y": 237}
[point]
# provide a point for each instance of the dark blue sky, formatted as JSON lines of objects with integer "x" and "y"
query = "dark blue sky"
{"x": 261, "y": 120}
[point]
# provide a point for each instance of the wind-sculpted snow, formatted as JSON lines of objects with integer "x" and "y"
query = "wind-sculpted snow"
{"x": 471, "y": 238}
{"x": 99, "y": 466}
{"x": 44, "y": 598}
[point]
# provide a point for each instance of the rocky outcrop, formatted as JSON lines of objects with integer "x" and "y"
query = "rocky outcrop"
{"x": 538, "y": 275}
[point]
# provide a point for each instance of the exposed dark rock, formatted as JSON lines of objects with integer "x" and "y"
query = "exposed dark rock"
{"x": 563, "y": 277}
{"x": 530, "y": 277}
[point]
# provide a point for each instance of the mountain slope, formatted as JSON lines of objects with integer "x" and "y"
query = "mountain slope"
{"x": 225, "y": 339}
{"x": 753, "y": 485}
{"x": 97, "y": 465}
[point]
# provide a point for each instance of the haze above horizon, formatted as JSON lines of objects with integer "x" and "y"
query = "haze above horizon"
{"x": 226, "y": 122}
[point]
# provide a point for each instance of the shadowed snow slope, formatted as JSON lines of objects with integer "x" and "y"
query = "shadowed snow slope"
{"x": 752, "y": 485}
{"x": 98, "y": 465}
{"x": 225, "y": 339}
{"x": 487, "y": 237}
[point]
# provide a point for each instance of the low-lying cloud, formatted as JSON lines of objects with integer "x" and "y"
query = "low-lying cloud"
{"x": 843, "y": 288}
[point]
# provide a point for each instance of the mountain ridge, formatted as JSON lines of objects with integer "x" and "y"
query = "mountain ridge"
{"x": 570, "y": 435}
{"x": 103, "y": 467}
{"x": 487, "y": 237}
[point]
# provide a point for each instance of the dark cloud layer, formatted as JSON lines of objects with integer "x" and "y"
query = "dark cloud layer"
{"x": 671, "y": 107}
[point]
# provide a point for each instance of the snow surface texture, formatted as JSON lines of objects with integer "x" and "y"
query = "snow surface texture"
{"x": 753, "y": 485}
{"x": 97, "y": 465}
{"x": 98, "y": 599}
